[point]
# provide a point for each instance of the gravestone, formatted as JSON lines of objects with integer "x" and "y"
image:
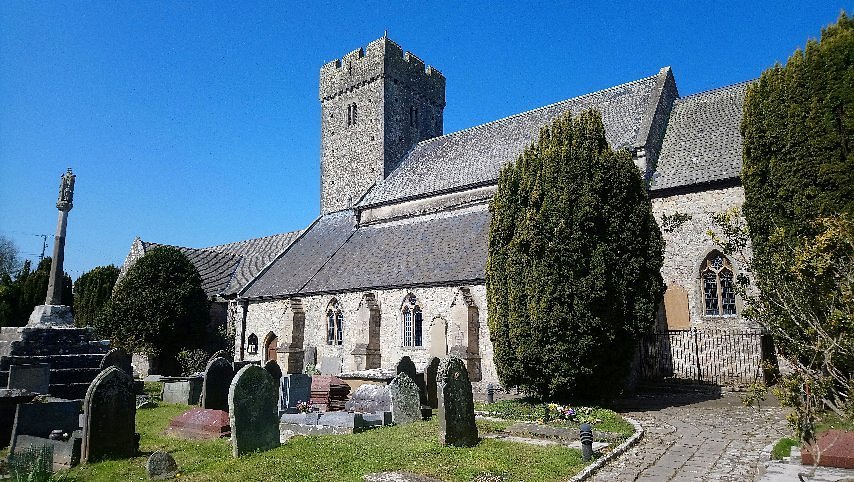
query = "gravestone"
{"x": 456, "y": 404}
{"x": 221, "y": 354}
{"x": 183, "y": 390}
{"x": 430, "y": 372}
{"x": 53, "y": 424}
{"x": 406, "y": 365}
{"x": 369, "y": 398}
{"x": 119, "y": 358}
{"x": 330, "y": 365}
{"x": 295, "y": 388}
{"x": 161, "y": 466}
{"x": 274, "y": 370}
{"x": 405, "y": 399}
{"x": 109, "y": 416}
{"x": 310, "y": 356}
{"x": 35, "y": 377}
{"x": 218, "y": 376}
{"x": 252, "y": 411}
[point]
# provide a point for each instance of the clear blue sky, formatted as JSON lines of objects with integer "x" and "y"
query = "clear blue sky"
{"x": 197, "y": 123}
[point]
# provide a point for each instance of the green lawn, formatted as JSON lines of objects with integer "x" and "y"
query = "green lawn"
{"x": 526, "y": 410}
{"x": 413, "y": 447}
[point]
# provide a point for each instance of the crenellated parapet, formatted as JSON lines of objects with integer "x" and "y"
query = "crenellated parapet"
{"x": 382, "y": 58}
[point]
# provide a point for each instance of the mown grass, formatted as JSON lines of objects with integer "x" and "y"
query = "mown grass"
{"x": 527, "y": 410}
{"x": 413, "y": 447}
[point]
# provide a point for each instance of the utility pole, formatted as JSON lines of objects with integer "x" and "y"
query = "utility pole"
{"x": 44, "y": 246}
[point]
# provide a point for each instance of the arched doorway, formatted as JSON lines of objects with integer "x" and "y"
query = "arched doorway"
{"x": 271, "y": 345}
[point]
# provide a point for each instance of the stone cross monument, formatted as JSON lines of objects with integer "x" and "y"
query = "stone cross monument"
{"x": 52, "y": 312}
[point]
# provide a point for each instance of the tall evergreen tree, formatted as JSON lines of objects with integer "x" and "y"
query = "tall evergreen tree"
{"x": 91, "y": 291}
{"x": 798, "y": 177}
{"x": 573, "y": 271}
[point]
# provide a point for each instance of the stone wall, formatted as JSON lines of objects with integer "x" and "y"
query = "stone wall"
{"x": 454, "y": 320}
{"x": 687, "y": 246}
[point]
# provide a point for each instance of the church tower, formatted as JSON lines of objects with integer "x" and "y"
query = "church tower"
{"x": 376, "y": 103}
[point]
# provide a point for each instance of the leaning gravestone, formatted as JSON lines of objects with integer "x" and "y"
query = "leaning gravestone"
{"x": 407, "y": 366}
{"x": 405, "y": 399}
{"x": 252, "y": 411}
{"x": 161, "y": 466}
{"x": 109, "y": 415}
{"x": 456, "y": 404}
{"x": 35, "y": 377}
{"x": 119, "y": 358}
{"x": 218, "y": 376}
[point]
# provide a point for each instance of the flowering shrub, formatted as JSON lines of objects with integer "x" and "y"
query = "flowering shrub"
{"x": 566, "y": 413}
{"x": 303, "y": 407}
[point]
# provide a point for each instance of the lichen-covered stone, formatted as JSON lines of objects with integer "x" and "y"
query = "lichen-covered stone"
{"x": 405, "y": 399}
{"x": 456, "y": 404}
{"x": 161, "y": 466}
{"x": 252, "y": 411}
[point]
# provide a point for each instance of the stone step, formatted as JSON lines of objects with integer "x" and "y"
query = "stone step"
{"x": 31, "y": 349}
{"x": 56, "y": 362}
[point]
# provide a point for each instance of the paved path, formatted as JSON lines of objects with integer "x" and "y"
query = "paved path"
{"x": 702, "y": 435}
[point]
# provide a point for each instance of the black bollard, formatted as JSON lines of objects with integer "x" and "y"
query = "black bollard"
{"x": 586, "y": 441}
{"x": 490, "y": 393}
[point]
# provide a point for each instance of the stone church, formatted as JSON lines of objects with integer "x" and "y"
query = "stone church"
{"x": 395, "y": 263}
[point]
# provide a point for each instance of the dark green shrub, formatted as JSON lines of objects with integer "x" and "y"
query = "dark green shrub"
{"x": 91, "y": 291}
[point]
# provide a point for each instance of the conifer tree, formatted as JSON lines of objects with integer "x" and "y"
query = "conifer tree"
{"x": 573, "y": 271}
{"x": 91, "y": 291}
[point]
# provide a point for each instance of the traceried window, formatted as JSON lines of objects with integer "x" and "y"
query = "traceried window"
{"x": 334, "y": 324}
{"x": 413, "y": 322}
{"x": 716, "y": 278}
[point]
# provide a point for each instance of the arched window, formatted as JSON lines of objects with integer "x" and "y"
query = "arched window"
{"x": 716, "y": 277}
{"x": 412, "y": 322}
{"x": 252, "y": 343}
{"x": 334, "y": 324}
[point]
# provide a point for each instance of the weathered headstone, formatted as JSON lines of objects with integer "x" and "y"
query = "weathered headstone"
{"x": 252, "y": 411}
{"x": 407, "y": 366}
{"x": 221, "y": 354}
{"x": 274, "y": 370}
{"x": 430, "y": 373}
{"x": 35, "y": 378}
{"x": 218, "y": 376}
{"x": 109, "y": 416}
{"x": 456, "y": 404}
{"x": 330, "y": 365}
{"x": 295, "y": 388}
{"x": 183, "y": 390}
{"x": 161, "y": 466}
{"x": 369, "y": 398}
{"x": 405, "y": 399}
{"x": 119, "y": 358}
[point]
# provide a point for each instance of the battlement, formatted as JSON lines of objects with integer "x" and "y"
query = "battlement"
{"x": 382, "y": 58}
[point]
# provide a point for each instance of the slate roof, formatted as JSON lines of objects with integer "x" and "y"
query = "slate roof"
{"x": 226, "y": 268}
{"x": 702, "y": 142}
{"x": 333, "y": 257}
{"x": 255, "y": 254}
{"x": 420, "y": 251}
{"x": 475, "y": 156}
{"x": 305, "y": 257}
